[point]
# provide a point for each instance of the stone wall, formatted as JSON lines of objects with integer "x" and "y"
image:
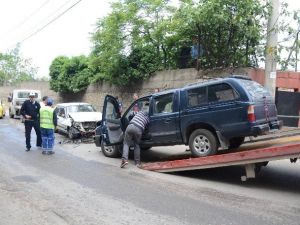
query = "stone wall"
{"x": 95, "y": 93}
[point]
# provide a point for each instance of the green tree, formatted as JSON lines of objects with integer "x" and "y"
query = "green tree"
{"x": 228, "y": 31}
{"x": 15, "y": 69}
{"x": 136, "y": 29}
{"x": 289, "y": 45}
{"x": 70, "y": 74}
{"x": 158, "y": 36}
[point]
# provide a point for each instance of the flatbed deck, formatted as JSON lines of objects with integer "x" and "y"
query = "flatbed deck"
{"x": 250, "y": 155}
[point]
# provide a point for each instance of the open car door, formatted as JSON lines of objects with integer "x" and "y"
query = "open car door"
{"x": 111, "y": 120}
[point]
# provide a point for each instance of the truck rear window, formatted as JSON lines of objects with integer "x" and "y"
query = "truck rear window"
{"x": 254, "y": 89}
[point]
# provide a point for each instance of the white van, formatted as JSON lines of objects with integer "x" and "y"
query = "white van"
{"x": 18, "y": 97}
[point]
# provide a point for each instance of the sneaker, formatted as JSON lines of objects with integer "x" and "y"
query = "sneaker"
{"x": 51, "y": 152}
{"x": 27, "y": 149}
{"x": 124, "y": 163}
{"x": 44, "y": 152}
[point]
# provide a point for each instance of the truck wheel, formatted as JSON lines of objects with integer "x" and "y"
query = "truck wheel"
{"x": 203, "y": 143}
{"x": 110, "y": 151}
{"x": 236, "y": 142}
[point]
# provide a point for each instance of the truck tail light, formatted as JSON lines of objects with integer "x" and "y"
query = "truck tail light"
{"x": 251, "y": 115}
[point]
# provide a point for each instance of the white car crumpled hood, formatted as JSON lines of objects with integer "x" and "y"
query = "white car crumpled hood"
{"x": 86, "y": 116}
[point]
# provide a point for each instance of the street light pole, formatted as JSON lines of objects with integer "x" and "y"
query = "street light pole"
{"x": 271, "y": 48}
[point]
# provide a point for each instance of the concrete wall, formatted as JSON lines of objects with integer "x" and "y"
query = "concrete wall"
{"x": 163, "y": 80}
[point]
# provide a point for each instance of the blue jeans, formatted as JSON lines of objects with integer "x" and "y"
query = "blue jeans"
{"x": 47, "y": 139}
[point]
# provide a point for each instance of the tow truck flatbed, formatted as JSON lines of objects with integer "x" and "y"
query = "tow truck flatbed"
{"x": 252, "y": 156}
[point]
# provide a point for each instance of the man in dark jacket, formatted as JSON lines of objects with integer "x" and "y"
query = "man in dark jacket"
{"x": 30, "y": 111}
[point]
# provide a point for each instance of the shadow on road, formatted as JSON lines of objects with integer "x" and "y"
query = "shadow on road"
{"x": 268, "y": 178}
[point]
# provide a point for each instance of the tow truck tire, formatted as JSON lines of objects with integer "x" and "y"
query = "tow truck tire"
{"x": 236, "y": 142}
{"x": 202, "y": 142}
{"x": 112, "y": 151}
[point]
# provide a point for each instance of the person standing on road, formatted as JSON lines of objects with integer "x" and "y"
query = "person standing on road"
{"x": 30, "y": 111}
{"x": 48, "y": 122}
{"x": 132, "y": 137}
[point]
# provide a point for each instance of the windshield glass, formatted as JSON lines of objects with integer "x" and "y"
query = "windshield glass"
{"x": 81, "y": 108}
{"x": 255, "y": 89}
{"x": 24, "y": 94}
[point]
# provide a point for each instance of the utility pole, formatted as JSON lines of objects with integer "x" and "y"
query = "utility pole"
{"x": 271, "y": 48}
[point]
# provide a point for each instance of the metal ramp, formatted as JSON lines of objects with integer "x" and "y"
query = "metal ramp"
{"x": 251, "y": 159}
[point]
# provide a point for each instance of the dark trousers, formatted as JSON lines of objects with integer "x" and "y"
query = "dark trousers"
{"x": 132, "y": 137}
{"x": 28, "y": 127}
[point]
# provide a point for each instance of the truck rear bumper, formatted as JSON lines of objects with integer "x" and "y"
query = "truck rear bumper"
{"x": 267, "y": 128}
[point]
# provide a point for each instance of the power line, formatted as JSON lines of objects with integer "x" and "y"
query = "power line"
{"x": 25, "y": 20}
{"x": 51, "y": 21}
{"x": 45, "y": 19}
{"x": 31, "y": 15}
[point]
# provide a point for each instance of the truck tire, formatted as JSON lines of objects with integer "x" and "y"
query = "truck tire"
{"x": 112, "y": 151}
{"x": 236, "y": 142}
{"x": 202, "y": 142}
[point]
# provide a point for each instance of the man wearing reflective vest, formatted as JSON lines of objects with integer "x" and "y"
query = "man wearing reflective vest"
{"x": 48, "y": 122}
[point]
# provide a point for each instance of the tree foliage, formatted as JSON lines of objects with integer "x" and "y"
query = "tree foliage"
{"x": 229, "y": 31}
{"x": 15, "y": 69}
{"x": 289, "y": 45}
{"x": 143, "y": 36}
{"x": 133, "y": 41}
{"x": 140, "y": 37}
{"x": 70, "y": 74}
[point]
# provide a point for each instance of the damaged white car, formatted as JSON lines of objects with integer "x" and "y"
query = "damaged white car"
{"x": 77, "y": 119}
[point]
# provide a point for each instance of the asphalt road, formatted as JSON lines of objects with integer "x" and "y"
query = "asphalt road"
{"x": 78, "y": 185}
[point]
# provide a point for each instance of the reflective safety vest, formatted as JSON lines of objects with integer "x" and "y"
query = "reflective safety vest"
{"x": 46, "y": 117}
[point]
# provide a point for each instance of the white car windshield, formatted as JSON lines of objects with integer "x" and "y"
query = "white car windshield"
{"x": 81, "y": 108}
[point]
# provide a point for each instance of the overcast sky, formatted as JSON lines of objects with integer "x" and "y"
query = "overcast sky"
{"x": 69, "y": 35}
